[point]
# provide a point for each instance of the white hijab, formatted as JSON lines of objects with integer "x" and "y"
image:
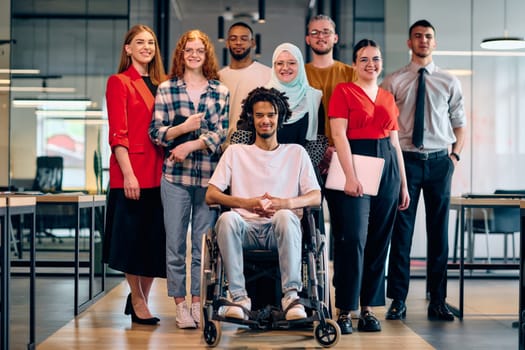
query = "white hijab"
{"x": 302, "y": 98}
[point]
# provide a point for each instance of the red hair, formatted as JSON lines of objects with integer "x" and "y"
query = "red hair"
{"x": 210, "y": 68}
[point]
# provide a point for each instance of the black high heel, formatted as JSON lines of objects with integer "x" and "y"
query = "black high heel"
{"x": 128, "y": 310}
{"x": 129, "y": 306}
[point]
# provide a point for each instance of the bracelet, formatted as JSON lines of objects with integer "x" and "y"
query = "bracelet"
{"x": 455, "y": 155}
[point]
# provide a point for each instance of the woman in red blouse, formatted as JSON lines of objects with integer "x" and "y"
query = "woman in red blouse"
{"x": 363, "y": 120}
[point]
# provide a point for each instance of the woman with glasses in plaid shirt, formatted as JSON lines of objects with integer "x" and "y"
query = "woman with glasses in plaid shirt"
{"x": 190, "y": 121}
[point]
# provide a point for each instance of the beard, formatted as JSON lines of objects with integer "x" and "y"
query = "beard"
{"x": 266, "y": 135}
{"x": 322, "y": 52}
{"x": 240, "y": 56}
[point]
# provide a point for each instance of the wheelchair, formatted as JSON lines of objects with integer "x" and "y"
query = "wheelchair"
{"x": 315, "y": 295}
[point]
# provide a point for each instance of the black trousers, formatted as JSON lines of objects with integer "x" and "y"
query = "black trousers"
{"x": 434, "y": 178}
{"x": 361, "y": 228}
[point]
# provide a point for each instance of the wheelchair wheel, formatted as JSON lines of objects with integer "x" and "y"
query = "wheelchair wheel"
{"x": 212, "y": 333}
{"x": 329, "y": 335}
{"x": 206, "y": 277}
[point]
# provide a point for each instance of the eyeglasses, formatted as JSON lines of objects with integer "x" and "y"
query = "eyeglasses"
{"x": 324, "y": 32}
{"x": 190, "y": 52}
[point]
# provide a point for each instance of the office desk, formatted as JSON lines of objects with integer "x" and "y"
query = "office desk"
{"x": 461, "y": 204}
{"x": 72, "y": 206}
{"x": 4, "y": 282}
{"x": 17, "y": 206}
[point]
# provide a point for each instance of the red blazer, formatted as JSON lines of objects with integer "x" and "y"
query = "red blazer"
{"x": 130, "y": 108}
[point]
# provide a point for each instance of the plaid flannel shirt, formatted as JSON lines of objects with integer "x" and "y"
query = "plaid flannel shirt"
{"x": 173, "y": 99}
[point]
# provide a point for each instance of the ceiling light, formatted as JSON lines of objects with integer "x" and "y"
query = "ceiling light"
{"x": 258, "y": 45}
{"x": 59, "y": 104}
{"x": 220, "y": 28}
{"x": 62, "y": 90}
{"x": 19, "y": 71}
{"x": 262, "y": 11}
{"x": 504, "y": 42}
{"x": 84, "y": 114}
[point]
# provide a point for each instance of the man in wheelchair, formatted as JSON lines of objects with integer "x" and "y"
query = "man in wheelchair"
{"x": 268, "y": 182}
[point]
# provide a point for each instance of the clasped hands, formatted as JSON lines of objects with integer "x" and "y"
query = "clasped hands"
{"x": 267, "y": 205}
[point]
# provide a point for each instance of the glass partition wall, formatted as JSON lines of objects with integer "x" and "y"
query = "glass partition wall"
{"x": 493, "y": 85}
{"x": 5, "y": 81}
{"x": 63, "y": 55}
{"x": 72, "y": 46}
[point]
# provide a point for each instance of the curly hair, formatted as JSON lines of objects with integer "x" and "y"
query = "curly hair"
{"x": 261, "y": 94}
{"x": 210, "y": 68}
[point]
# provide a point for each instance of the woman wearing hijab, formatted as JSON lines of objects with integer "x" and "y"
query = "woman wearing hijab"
{"x": 289, "y": 76}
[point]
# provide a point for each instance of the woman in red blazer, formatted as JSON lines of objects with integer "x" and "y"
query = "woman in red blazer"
{"x": 134, "y": 242}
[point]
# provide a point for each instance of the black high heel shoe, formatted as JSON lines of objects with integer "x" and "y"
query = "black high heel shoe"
{"x": 129, "y": 306}
{"x": 128, "y": 310}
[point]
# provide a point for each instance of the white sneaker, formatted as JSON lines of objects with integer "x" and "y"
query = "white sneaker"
{"x": 183, "y": 319}
{"x": 196, "y": 313}
{"x": 237, "y": 311}
{"x": 296, "y": 312}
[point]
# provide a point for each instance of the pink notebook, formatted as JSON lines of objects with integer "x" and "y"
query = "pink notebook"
{"x": 368, "y": 170}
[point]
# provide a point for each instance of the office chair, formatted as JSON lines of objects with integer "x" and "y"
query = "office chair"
{"x": 503, "y": 221}
{"x": 49, "y": 171}
{"x": 48, "y": 179}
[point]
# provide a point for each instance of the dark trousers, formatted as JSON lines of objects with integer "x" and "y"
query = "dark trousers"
{"x": 361, "y": 229}
{"x": 433, "y": 177}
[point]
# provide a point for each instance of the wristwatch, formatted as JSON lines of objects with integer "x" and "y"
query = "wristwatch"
{"x": 455, "y": 155}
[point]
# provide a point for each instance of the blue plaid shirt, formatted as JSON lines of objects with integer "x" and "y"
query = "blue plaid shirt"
{"x": 172, "y": 99}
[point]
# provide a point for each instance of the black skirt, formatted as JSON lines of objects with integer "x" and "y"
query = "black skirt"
{"x": 135, "y": 239}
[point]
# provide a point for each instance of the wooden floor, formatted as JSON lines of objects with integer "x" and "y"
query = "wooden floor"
{"x": 105, "y": 326}
{"x": 487, "y": 325}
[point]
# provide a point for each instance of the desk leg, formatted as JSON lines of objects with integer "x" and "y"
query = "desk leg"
{"x": 77, "y": 263}
{"x": 4, "y": 305}
{"x": 456, "y": 233}
{"x": 32, "y": 283}
{"x": 521, "y": 315}
{"x": 458, "y": 312}
{"x": 462, "y": 263}
{"x": 91, "y": 254}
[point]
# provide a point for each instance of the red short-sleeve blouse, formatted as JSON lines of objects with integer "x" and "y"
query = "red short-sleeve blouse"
{"x": 366, "y": 119}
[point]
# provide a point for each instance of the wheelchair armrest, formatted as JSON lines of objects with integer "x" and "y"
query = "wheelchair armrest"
{"x": 311, "y": 209}
{"x": 216, "y": 207}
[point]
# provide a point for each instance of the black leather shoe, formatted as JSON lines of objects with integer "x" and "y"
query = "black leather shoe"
{"x": 368, "y": 322}
{"x": 439, "y": 312}
{"x": 397, "y": 310}
{"x": 345, "y": 323}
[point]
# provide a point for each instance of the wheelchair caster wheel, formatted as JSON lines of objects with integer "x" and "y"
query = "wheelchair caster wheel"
{"x": 212, "y": 333}
{"x": 328, "y": 335}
